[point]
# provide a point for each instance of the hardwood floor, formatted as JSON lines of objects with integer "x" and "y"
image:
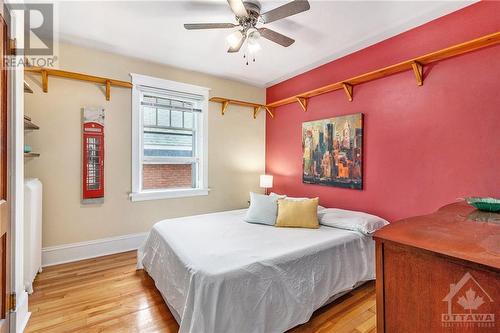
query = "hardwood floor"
{"x": 107, "y": 294}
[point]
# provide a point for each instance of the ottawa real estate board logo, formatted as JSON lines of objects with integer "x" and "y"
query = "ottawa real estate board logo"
{"x": 468, "y": 305}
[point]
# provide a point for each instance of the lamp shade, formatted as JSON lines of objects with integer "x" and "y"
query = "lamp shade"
{"x": 234, "y": 39}
{"x": 266, "y": 181}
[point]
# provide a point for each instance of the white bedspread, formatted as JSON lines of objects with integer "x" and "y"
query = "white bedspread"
{"x": 221, "y": 274}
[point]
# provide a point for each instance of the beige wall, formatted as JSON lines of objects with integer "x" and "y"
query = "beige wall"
{"x": 236, "y": 149}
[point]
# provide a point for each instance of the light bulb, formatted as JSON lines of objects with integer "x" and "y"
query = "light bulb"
{"x": 254, "y": 47}
{"x": 234, "y": 38}
{"x": 253, "y": 40}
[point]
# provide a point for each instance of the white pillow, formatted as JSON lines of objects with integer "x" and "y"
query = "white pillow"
{"x": 284, "y": 196}
{"x": 280, "y": 196}
{"x": 263, "y": 209}
{"x": 351, "y": 220}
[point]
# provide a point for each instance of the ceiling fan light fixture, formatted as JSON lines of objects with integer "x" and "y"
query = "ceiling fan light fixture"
{"x": 248, "y": 15}
{"x": 254, "y": 47}
{"x": 234, "y": 38}
{"x": 253, "y": 40}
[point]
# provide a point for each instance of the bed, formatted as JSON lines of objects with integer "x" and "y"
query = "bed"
{"x": 219, "y": 274}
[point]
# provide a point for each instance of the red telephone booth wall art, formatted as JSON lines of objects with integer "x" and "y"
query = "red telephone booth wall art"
{"x": 93, "y": 156}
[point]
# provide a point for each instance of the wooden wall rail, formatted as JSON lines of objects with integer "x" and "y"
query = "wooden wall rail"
{"x": 416, "y": 65}
{"x": 46, "y": 72}
{"x": 225, "y": 102}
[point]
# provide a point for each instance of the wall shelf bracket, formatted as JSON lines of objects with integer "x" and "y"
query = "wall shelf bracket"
{"x": 348, "y": 88}
{"x": 303, "y": 103}
{"x": 45, "y": 81}
{"x": 418, "y": 70}
{"x": 256, "y": 110}
{"x": 224, "y": 107}
{"x": 269, "y": 111}
{"x": 108, "y": 90}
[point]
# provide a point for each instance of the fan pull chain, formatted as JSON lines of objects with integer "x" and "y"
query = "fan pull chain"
{"x": 246, "y": 57}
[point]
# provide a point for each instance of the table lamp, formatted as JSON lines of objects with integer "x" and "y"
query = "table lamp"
{"x": 266, "y": 181}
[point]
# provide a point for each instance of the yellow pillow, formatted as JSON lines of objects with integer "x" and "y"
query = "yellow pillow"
{"x": 298, "y": 214}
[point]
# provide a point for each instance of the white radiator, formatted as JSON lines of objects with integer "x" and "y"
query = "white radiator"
{"x": 32, "y": 231}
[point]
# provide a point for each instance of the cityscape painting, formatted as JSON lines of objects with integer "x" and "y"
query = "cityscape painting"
{"x": 332, "y": 151}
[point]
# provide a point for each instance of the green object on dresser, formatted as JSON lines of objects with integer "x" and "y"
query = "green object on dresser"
{"x": 27, "y": 148}
{"x": 486, "y": 204}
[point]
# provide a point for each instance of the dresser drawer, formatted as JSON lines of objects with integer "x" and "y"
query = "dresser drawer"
{"x": 425, "y": 292}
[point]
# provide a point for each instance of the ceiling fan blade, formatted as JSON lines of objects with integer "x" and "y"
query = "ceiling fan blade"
{"x": 276, "y": 37}
{"x": 198, "y": 26}
{"x": 237, "y": 47}
{"x": 238, "y": 8}
{"x": 289, "y": 9}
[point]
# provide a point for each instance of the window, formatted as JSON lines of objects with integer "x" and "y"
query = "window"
{"x": 169, "y": 139}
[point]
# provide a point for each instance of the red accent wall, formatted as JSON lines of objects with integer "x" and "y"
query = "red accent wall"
{"x": 423, "y": 146}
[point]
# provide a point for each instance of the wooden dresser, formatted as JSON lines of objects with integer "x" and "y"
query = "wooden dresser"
{"x": 439, "y": 272}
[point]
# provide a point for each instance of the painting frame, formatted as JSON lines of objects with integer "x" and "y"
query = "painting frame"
{"x": 332, "y": 151}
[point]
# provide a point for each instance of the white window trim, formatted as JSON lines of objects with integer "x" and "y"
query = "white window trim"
{"x": 137, "y": 193}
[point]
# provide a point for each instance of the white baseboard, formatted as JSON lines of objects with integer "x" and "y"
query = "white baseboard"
{"x": 61, "y": 254}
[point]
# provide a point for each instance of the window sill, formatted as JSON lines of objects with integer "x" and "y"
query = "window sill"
{"x": 167, "y": 194}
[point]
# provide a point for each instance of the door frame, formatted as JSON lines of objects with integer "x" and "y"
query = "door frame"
{"x": 20, "y": 316}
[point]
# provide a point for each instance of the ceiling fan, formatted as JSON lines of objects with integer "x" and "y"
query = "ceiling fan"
{"x": 248, "y": 15}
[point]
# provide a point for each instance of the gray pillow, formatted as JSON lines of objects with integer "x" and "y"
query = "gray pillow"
{"x": 263, "y": 209}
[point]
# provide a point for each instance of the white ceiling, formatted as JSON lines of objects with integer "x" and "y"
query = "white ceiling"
{"x": 154, "y": 31}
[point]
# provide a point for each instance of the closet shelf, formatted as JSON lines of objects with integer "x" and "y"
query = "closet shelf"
{"x": 27, "y": 88}
{"x": 28, "y": 125}
{"x": 29, "y": 155}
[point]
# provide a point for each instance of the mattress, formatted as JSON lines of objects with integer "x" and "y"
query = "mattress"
{"x": 218, "y": 273}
